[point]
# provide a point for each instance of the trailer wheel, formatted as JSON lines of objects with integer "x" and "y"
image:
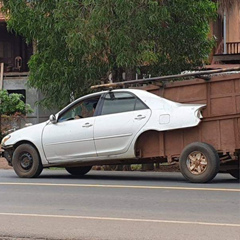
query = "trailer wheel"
{"x": 199, "y": 162}
{"x": 235, "y": 173}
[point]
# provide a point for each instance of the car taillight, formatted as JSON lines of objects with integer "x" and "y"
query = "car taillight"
{"x": 199, "y": 114}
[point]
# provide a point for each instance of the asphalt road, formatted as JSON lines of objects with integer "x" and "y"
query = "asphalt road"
{"x": 118, "y": 205}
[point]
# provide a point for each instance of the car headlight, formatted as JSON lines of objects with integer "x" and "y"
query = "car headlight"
{"x": 5, "y": 139}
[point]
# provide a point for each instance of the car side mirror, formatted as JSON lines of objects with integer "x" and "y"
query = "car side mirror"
{"x": 53, "y": 118}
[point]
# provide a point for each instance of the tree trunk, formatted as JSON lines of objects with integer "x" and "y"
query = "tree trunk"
{"x": 130, "y": 74}
{"x": 117, "y": 75}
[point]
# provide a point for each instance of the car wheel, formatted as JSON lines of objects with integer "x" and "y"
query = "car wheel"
{"x": 78, "y": 171}
{"x": 199, "y": 162}
{"x": 26, "y": 161}
{"x": 235, "y": 173}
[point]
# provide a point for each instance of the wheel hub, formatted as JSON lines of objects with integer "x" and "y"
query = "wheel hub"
{"x": 26, "y": 161}
{"x": 197, "y": 162}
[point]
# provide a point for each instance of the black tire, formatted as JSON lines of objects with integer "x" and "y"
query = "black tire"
{"x": 78, "y": 171}
{"x": 235, "y": 173}
{"x": 199, "y": 162}
{"x": 26, "y": 161}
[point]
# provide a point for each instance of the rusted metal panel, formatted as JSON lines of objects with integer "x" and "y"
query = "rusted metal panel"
{"x": 223, "y": 98}
{"x": 174, "y": 141}
{"x": 191, "y": 93}
{"x": 221, "y": 118}
{"x": 227, "y": 135}
{"x": 237, "y": 132}
{"x": 150, "y": 139}
{"x": 210, "y": 133}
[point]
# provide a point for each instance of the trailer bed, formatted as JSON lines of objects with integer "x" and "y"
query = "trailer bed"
{"x": 220, "y": 125}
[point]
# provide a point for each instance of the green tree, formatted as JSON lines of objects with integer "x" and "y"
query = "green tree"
{"x": 80, "y": 42}
{"x": 11, "y": 104}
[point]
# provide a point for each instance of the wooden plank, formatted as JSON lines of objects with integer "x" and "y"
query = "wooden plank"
{"x": 12, "y": 74}
{"x": 164, "y": 78}
{"x": 226, "y": 57}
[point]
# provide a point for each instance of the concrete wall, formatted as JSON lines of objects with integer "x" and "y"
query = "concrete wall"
{"x": 32, "y": 96}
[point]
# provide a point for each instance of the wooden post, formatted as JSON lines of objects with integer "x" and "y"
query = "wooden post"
{"x": 1, "y": 75}
{"x": 1, "y": 87}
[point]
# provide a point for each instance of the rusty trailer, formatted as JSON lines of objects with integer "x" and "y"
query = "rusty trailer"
{"x": 219, "y": 128}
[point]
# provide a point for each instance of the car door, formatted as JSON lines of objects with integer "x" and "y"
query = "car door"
{"x": 122, "y": 116}
{"x": 71, "y": 137}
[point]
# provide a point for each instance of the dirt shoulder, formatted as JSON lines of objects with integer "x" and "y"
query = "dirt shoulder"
{"x": 4, "y": 164}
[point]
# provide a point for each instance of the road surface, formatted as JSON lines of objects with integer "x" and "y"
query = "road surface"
{"x": 118, "y": 205}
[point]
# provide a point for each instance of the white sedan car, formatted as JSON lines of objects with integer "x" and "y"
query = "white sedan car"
{"x": 100, "y": 128}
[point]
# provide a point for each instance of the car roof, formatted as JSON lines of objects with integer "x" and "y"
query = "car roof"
{"x": 137, "y": 92}
{"x": 152, "y": 100}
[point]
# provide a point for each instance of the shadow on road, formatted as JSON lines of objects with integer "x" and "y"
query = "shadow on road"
{"x": 108, "y": 177}
{"x": 135, "y": 176}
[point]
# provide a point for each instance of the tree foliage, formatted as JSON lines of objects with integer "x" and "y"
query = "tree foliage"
{"x": 12, "y": 103}
{"x": 80, "y": 42}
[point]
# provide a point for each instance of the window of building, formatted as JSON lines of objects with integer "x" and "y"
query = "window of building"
{"x": 19, "y": 91}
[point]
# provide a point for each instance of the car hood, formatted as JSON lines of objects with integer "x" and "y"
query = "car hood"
{"x": 31, "y": 133}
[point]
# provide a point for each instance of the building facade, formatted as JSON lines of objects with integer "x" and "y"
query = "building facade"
{"x": 14, "y": 57}
{"x": 226, "y": 30}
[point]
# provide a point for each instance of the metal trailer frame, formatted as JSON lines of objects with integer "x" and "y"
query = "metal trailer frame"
{"x": 220, "y": 126}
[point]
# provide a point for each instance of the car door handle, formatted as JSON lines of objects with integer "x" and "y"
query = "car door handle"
{"x": 140, "y": 117}
{"x": 86, "y": 125}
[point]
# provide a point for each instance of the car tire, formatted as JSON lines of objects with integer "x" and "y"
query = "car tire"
{"x": 78, "y": 171}
{"x": 26, "y": 161}
{"x": 199, "y": 162}
{"x": 235, "y": 173}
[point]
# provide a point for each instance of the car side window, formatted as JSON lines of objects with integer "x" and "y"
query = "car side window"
{"x": 140, "y": 105}
{"x": 121, "y": 102}
{"x": 83, "y": 109}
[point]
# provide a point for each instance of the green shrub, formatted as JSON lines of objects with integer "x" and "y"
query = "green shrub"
{"x": 12, "y": 110}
